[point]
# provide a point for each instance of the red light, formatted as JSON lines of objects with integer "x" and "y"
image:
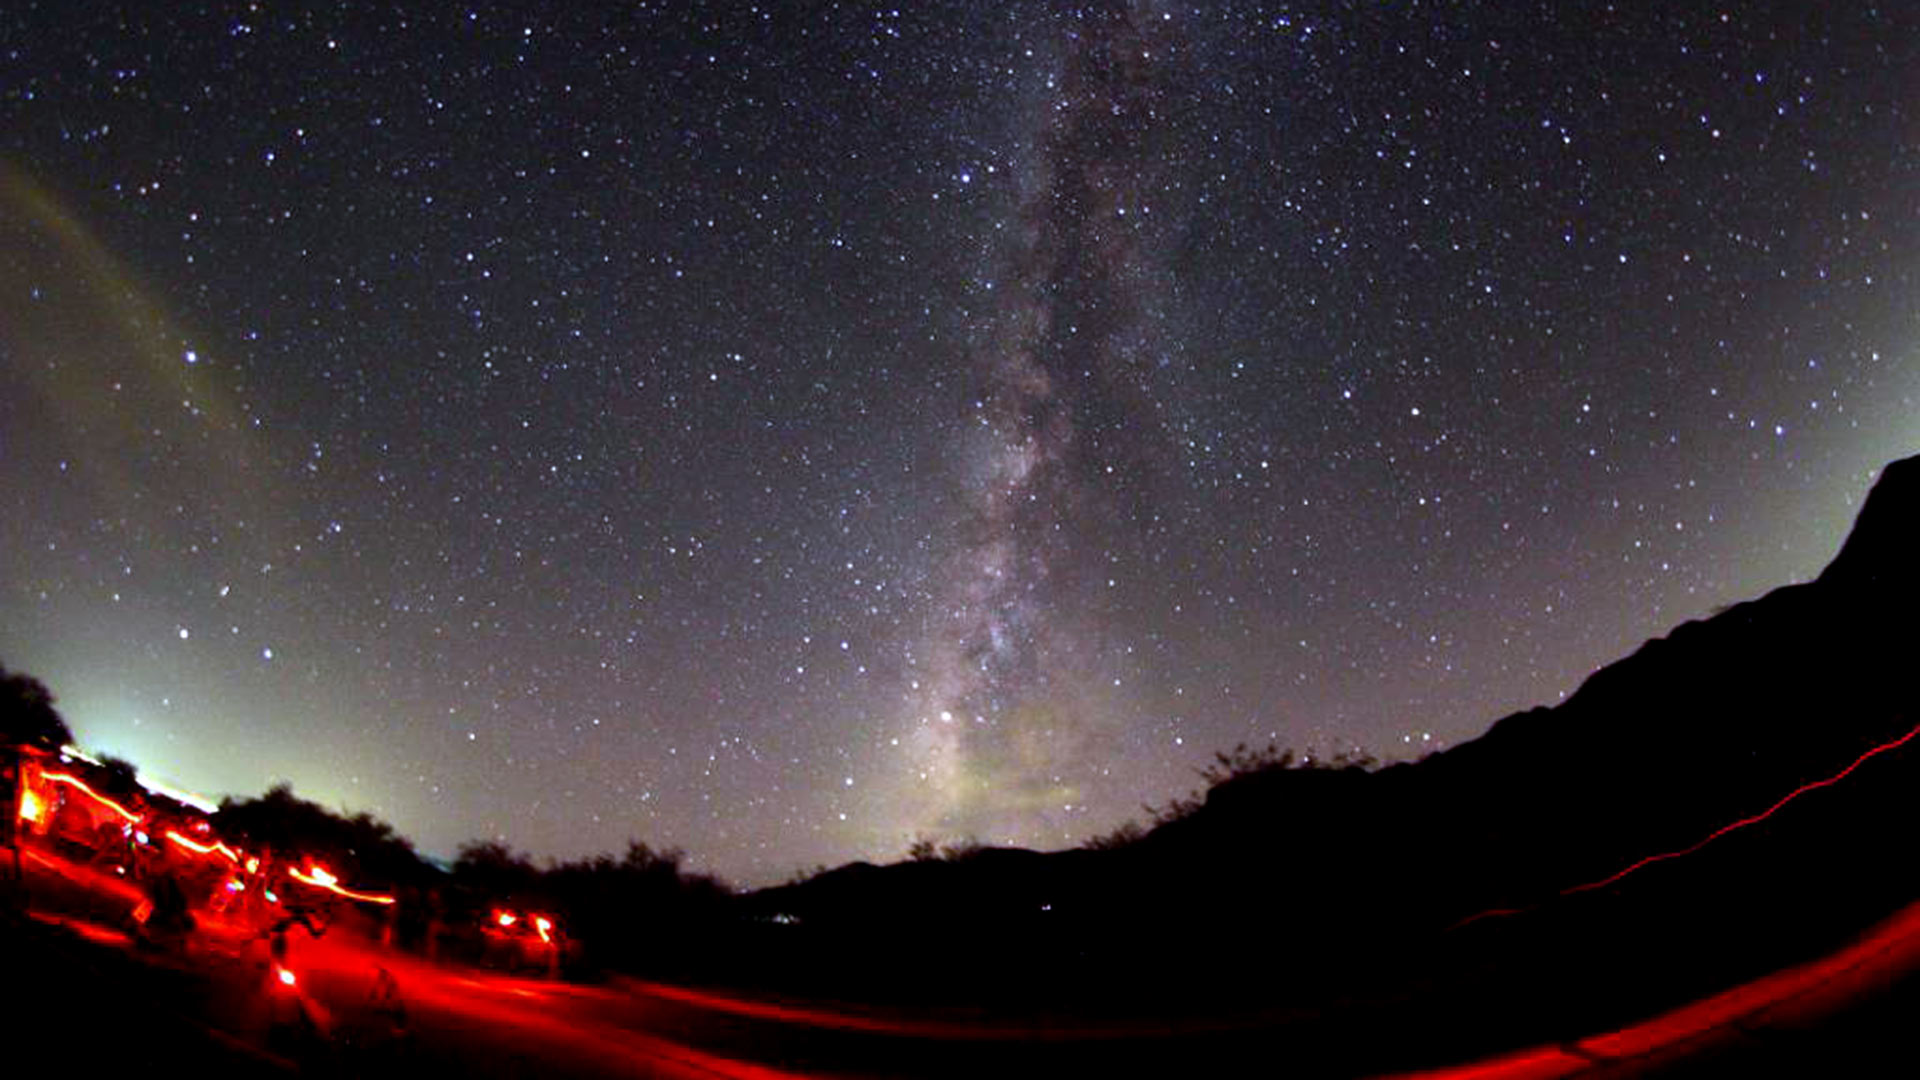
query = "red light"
{"x": 205, "y": 849}
{"x": 505, "y": 918}
{"x": 1744, "y": 822}
{"x": 31, "y": 808}
{"x": 74, "y": 781}
{"x": 544, "y": 925}
{"x": 321, "y": 879}
{"x": 285, "y": 976}
{"x": 1712, "y": 836}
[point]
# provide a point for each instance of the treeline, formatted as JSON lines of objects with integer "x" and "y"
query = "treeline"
{"x": 643, "y": 912}
{"x": 637, "y": 913}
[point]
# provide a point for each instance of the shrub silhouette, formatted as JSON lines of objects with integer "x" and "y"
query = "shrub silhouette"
{"x": 1238, "y": 764}
{"x": 1126, "y": 834}
{"x": 27, "y": 715}
{"x": 933, "y": 849}
{"x": 360, "y": 848}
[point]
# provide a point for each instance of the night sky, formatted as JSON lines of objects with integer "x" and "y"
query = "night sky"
{"x": 786, "y": 432}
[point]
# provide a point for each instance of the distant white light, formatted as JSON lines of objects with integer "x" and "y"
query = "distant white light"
{"x": 72, "y": 751}
{"x": 198, "y": 802}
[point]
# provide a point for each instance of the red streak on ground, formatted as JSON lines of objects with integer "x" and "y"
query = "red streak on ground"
{"x": 1054, "y": 1029}
{"x": 92, "y": 931}
{"x": 1746, "y": 821}
{"x": 1790, "y": 996}
{"x": 524, "y": 1009}
{"x": 1538, "y": 1063}
{"x": 1494, "y": 913}
{"x": 86, "y": 876}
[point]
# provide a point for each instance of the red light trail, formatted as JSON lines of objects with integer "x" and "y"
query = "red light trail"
{"x": 205, "y": 849}
{"x": 1746, "y": 821}
{"x": 321, "y": 879}
{"x": 1716, "y": 834}
{"x": 68, "y": 778}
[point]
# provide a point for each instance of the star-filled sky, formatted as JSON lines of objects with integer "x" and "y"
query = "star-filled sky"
{"x": 788, "y": 431}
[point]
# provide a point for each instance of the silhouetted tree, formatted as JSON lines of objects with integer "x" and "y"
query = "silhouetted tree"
{"x": 27, "y": 714}
{"x": 644, "y": 911}
{"x": 122, "y": 779}
{"x": 491, "y": 868}
{"x": 933, "y": 849}
{"x": 962, "y": 849}
{"x": 360, "y": 846}
{"x": 806, "y": 874}
{"x": 646, "y": 862}
{"x": 1244, "y": 761}
{"x": 1126, "y": 833}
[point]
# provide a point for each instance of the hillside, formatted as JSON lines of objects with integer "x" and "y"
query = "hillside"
{"x": 1715, "y": 722}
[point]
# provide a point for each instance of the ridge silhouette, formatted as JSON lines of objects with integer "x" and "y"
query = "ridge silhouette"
{"x": 1714, "y": 722}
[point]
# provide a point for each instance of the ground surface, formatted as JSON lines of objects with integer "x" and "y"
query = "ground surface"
{"x": 90, "y": 990}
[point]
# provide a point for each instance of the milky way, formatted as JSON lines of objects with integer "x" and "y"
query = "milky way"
{"x": 787, "y": 433}
{"x": 1010, "y": 711}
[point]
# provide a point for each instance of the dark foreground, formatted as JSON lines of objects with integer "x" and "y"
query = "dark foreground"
{"x": 84, "y": 992}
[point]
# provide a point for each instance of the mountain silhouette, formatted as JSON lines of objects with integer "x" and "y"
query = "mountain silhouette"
{"x": 1710, "y": 725}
